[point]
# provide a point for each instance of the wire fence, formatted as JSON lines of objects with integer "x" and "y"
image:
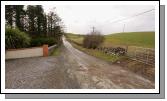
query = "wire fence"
{"x": 144, "y": 55}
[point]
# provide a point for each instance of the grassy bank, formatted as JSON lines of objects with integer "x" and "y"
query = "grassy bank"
{"x": 56, "y": 51}
{"x": 98, "y": 54}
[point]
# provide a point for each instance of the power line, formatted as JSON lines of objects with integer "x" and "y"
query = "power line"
{"x": 129, "y": 18}
{"x": 93, "y": 28}
{"x": 133, "y": 16}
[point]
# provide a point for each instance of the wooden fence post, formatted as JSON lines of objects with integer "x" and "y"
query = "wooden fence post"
{"x": 126, "y": 48}
{"x": 147, "y": 61}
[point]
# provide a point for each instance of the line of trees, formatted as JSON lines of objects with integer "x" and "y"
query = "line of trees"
{"x": 33, "y": 20}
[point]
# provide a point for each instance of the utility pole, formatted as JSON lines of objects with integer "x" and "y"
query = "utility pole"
{"x": 124, "y": 28}
{"x": 93, "y": 29}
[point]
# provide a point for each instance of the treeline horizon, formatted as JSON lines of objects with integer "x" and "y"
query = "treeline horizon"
{"x": 33, "y": 20}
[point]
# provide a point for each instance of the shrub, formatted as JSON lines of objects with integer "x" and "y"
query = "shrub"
{"x": 14, "y": 38}
{"x": 43, "y": 40}
{"x": 93, "y": 40}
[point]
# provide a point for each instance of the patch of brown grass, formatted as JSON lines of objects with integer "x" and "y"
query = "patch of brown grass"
{"x": 142, "y": 69}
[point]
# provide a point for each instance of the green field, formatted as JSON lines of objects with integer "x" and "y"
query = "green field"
{"x": 75, "y": 37}
{"x": 142, "y": 39}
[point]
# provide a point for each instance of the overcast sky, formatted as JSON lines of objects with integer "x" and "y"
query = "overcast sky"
{"x": 80, "y": 19}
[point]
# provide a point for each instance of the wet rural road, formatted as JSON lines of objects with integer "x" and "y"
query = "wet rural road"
{"x": 72, "y": 69}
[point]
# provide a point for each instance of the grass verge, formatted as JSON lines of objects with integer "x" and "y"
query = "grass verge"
{"x": 56, "y": 51}
{"x": 98, "y": 54}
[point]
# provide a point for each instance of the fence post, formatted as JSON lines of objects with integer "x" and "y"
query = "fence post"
{"x": 147, "y": 57}
{"x": 126, "y": 49}
{"x": 136, "y": 53}
{"x": 45, "y": 50}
